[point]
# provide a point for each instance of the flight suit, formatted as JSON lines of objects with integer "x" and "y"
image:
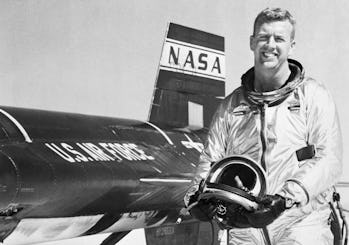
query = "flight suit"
{"x": 271, "y": 128}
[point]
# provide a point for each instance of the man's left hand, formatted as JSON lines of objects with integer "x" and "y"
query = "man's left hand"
{"x": 270, "y": 207}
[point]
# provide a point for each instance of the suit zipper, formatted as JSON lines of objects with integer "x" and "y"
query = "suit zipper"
{"x": 263, "y": 134}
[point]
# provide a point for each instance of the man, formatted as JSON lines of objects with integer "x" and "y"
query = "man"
{"x": 286, "y": 122}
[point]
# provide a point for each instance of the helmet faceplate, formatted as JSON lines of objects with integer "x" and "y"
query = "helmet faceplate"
{"x": 234, "y": 183}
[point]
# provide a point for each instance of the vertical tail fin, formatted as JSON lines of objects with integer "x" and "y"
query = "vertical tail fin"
{"x": 191, "y": 78}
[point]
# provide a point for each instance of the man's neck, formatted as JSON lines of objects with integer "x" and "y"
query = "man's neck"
{"x": 269, "y": 80}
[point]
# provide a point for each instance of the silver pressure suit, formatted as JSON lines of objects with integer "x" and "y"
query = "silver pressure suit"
{"x": 270, "y": 127}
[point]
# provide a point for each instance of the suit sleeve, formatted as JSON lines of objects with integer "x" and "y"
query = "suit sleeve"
{"x": 321, "y": 172}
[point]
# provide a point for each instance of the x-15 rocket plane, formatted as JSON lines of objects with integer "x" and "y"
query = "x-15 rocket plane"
{"x": 64, "y": 175}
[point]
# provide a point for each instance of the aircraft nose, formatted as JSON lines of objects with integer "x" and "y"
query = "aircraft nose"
{"x": 8, "y": 181}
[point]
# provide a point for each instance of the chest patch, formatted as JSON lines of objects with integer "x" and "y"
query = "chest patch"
{"x": 294, "y": 106}
{"x": 242, "y": 109}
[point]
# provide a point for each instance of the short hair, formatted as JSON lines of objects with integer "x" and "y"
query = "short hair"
{"x": 274, "y": 14}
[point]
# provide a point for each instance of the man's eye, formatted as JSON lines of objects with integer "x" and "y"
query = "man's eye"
{"x": 279, "y": 39}
{"x": 262, "y": 38}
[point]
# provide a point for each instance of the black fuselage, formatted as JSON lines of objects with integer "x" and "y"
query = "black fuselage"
{"x": 56, "y": 165}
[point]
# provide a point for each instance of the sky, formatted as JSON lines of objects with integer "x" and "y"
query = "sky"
{"x": 101, "y": 57}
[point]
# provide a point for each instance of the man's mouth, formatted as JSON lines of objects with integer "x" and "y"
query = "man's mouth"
{"x": 269, "y": 54}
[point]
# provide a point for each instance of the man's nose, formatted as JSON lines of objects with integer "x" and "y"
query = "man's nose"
{"x": 271, "y": 42}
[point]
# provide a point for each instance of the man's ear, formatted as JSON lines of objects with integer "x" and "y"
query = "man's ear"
{"x": 293, "y": 46}
{"x": 252, "y": 43}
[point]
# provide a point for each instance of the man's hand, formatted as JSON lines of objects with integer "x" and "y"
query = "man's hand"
{"x": 236, "y": 218}
{"x": 203, "y": 210}
{"x": 270, "y": 207}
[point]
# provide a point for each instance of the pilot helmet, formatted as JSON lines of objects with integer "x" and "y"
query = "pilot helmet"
{"x": 234, "y": 184}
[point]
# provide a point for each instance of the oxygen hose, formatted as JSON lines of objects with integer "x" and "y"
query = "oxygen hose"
{"x": 266, "y": 236}
{"x": 336, "y": 198}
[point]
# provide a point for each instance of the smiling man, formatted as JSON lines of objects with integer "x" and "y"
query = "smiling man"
{"x": 287, "y": 123}
{"x": 272, "y": 43}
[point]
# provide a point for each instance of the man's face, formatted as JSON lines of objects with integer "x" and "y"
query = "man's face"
{"x": 272, "y": 44}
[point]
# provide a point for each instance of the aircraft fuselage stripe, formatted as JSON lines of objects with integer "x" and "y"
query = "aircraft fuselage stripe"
{"x": 18, "y": 125}
{"x": 165, "y": 180}
{"x": 162, "y": 132}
